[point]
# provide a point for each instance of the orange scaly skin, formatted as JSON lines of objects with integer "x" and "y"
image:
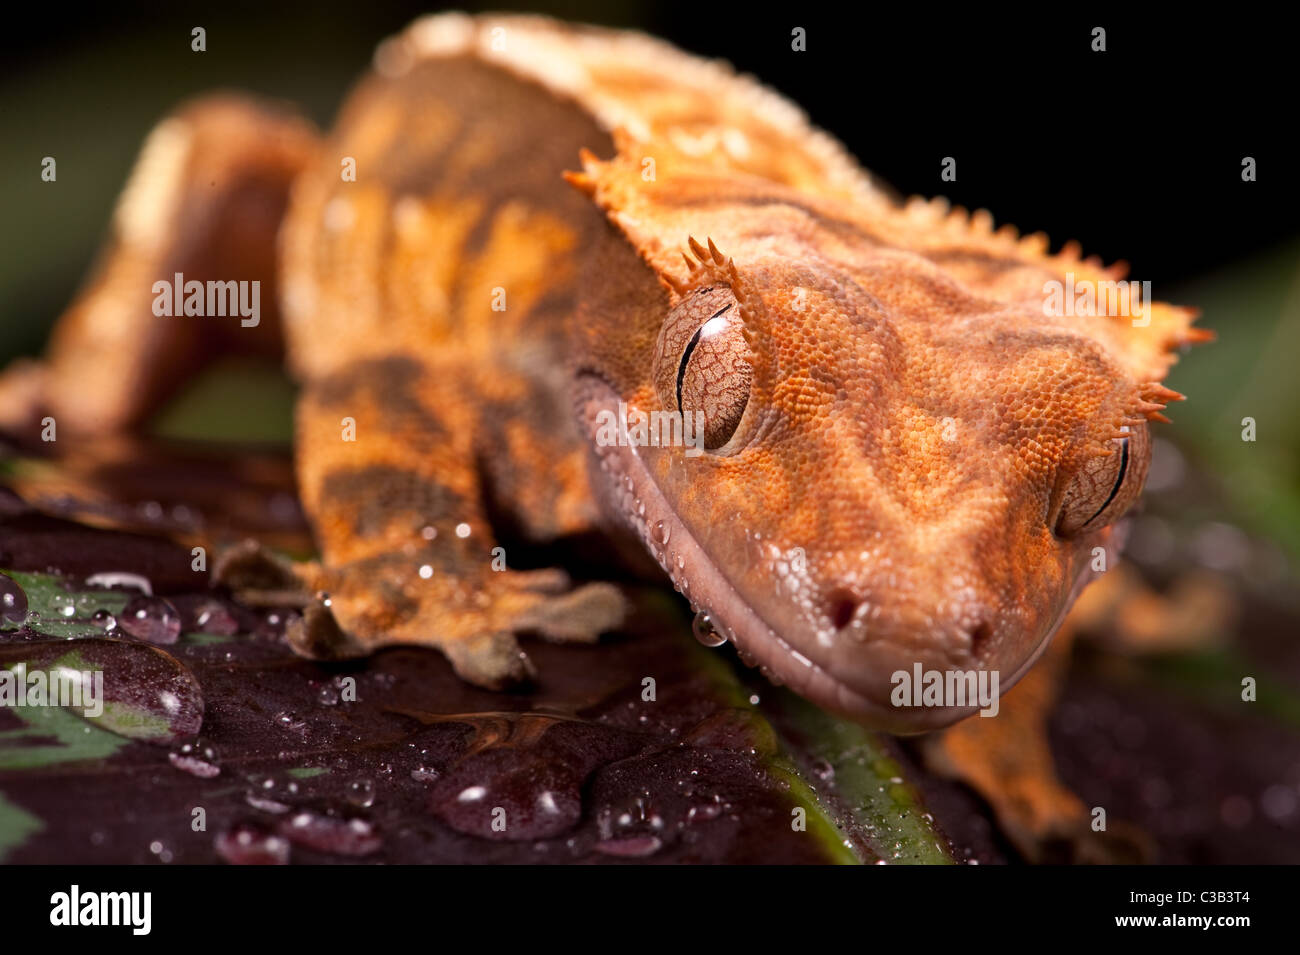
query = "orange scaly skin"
{"x": 908, "y": 460}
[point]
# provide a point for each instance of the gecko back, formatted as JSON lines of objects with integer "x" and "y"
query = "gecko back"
{"x": 437, "y": 218}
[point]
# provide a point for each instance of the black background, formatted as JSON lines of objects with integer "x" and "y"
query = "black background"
{"x": 1135, "y": 152}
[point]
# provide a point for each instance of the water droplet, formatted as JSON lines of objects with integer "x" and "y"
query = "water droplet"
{"x": 291, "y": 722}
{"x": 705, "y": 632}
{"x": 13, "y": 601}
{"x": 634, "y": 847}
{"x": 196, "y": 758}
{"x": 147, "y": 694}
{"x": 120, "y": 578}
{"x": 734, "y": 729}
{"x": 328, "y": 695}
{"x": 251, "y": 844}
{"x": 361, "y": 793}
{"x": 215, "y": 617}
{"x": 546, "y": 803}
{"x": 265, "y": 804}
{"x": 424, "y": 774}
{"x": 271, "y": 794}
{"x": 426, "y": 571}
{"x": 1278, "y": 802}
{"x": 348, "y": 837}
{"x": 529, "y": 790}
{"x": 151, "y": 619}
{"x": 102, "y": 618}
{"x": 662, "y": 531}
{"x": 704, "y": 812}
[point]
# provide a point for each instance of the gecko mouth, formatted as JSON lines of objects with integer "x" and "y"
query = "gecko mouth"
{"x": 634, "y": 497}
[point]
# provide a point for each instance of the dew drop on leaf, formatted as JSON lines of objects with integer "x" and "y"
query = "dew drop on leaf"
{"x": 151, "y": 619}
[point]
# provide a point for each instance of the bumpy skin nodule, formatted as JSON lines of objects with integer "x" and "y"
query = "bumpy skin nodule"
{"x": 910, "y": 461}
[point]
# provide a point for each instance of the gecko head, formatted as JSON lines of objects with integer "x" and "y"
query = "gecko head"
{"x": 881, "y": 481}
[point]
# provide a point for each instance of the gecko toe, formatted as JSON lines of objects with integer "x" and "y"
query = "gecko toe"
{"x": 493, "y": 661}
{"x": 579, "y": 616}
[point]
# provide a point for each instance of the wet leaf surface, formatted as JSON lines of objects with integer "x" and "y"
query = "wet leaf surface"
{"x": 223, "y": 745}
{"x": 219, "y": 745}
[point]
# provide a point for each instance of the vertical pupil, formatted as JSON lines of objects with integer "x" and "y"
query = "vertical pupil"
{"x": 690, "y": 347}
{"x": 1119, "y": 482}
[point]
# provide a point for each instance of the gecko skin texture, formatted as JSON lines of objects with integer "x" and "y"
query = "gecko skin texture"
{"x": 908, "y": 458}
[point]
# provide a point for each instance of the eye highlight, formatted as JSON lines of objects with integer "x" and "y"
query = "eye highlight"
{"x": 702, "y": 362}
{"x": 1105, "y": 486}
{"x": 716, "y": 324}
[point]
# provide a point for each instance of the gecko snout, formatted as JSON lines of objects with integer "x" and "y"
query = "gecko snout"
{"x": 849, "y": 613}
{"x": 872, "y": 630}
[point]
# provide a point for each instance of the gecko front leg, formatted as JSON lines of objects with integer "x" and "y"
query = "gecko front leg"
{"x": 389, "y": 475}
{"x": 204, "y": 202}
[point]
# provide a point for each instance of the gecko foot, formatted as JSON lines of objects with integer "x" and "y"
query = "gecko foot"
{"x": 383, "y": 601}
{"x": 1043, "y": 820}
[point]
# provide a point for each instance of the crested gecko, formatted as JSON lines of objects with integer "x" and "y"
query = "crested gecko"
{"x": 522, "y": 239}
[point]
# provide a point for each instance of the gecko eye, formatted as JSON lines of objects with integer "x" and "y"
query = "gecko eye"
{"x": 702, "y": 362}
{"x": 1106, "y": 485}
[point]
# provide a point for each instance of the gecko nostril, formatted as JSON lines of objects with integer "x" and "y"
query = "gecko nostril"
{"x": 979, "y": 638}
{"x": 841, "y": 606}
